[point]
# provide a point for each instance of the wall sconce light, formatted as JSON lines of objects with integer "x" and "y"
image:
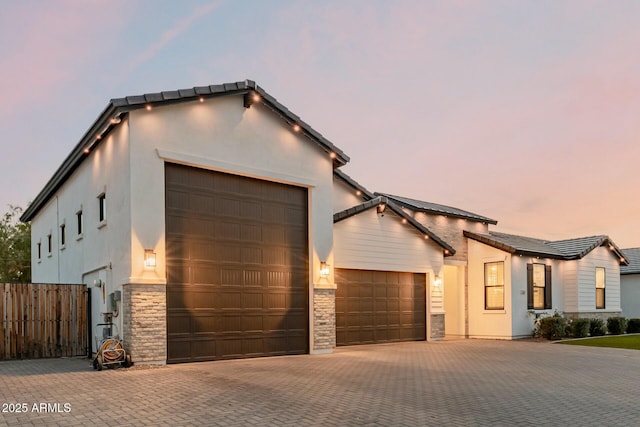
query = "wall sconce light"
{"x": 324, "y": 269}
{"x": 381, "y": 208}
{"x": 437, "y": 281}
{"x": 149, "y": 259}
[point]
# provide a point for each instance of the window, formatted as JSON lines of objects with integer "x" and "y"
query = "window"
{"x": 102, "y": 207}
{"x": 63, "y": 235}
{"x": 494, "y": 285}
{"x": 600, "y": 287}
{"x": 538, "y": 286}
{"x": 39, "y": 251}
{"x": 79, "y": 219}
{"x": 49, "y": 244}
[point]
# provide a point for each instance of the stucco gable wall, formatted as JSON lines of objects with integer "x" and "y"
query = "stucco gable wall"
{"x": 221, "y": 134}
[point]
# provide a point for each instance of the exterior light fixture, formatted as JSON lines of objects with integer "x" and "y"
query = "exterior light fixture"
{"x": 332, "y": 155}
{"x": 358, "y": 193}
{"x": 296, "y": 127}
{"x": 404, "y": 220}
{"x": 324, "y": 269}
{"x": 437, "y": 281}
{"x": 116, "y": 120}
{"x": 250, "y": 98}
{"x": 426, "y": 237}
{"x": 446, "y": 251}
{"x": 381, "y": 208}
{"x": 201, "y": 99}
{"x": 86, "y": 150}
{"x": 148, "y": 107}
{"x": 149, "y": 259}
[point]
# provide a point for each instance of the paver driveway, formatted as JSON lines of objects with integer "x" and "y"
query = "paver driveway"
{"x": 459, "y": 383}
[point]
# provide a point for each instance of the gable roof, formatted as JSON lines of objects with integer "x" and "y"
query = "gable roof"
{"x": 633, "y": 256}
{"x": 422, "y": 206}
{"x": 118, "y": 107}
{"x": 383, "y": 201}
{"x": 568, "y": 249}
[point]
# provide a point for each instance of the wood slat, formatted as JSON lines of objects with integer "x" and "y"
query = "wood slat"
{"x": 42, "y": 320}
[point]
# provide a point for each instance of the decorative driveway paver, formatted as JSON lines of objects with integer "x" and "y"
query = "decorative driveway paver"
{"x": 449, "y": 383}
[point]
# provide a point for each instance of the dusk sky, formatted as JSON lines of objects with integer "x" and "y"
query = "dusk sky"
{"x": 527, "y": 112}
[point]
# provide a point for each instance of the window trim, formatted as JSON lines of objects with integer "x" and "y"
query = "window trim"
{"x": 547, "y": 287}
{"x": 604, "y": 288}
{"x": 102, "y": 209}
{"x": 79, "y": 224}
{"x": 63, "y": 235}
{"x": 49, "y": 245}
{"x": 486, "y": 287}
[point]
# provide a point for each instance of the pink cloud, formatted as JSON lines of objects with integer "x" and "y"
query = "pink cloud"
{"x": 47, "y": 42}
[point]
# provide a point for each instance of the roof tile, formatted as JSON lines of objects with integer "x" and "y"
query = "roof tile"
{"x": 633, "y": 256}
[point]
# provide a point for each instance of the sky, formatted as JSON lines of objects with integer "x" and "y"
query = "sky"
{"x": 527, "y": 112}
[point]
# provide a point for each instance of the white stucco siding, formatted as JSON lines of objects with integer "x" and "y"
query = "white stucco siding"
{"x": 106, "y": 170}
{"x": 630, "y": 295}
{"x": 221, "y": 134}
{"x": 344, "y": 196}
{"x": 523, "y": 320}
{"x": 370, "y": 241}
{"x": 102, "y": 251}
{"x": 488, "y": 323}
{"x": 599, "y": 257}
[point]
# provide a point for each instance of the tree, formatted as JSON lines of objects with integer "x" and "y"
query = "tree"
{"x": 15, "y": 247}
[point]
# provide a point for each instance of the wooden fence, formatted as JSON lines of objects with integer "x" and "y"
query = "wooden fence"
{"x": 41, "y": 320}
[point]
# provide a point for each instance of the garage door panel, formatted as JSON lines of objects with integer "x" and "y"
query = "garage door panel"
{"x": 237, "y": 286}
{"x": 379, "y": 306}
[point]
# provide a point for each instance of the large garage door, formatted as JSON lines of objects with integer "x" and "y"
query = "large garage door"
{"x": 379, "y": 306}
{"x": 237, "y": 266}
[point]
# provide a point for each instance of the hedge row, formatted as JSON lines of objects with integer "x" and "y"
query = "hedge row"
{"x": 556, "y": 327}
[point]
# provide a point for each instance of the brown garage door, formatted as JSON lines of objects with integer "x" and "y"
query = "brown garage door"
{"x": 237, "y": 266}
{"x": 379, "y": 306}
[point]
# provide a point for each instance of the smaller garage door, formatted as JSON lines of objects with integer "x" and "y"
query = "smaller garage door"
{"x": 379, "y": 306}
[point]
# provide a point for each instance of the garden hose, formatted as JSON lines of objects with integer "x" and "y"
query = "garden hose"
{"x": 112, "y": 351}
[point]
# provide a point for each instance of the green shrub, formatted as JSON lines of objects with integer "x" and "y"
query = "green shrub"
{"x": 552, "y": 327}
{"x": 580, "y": 328}
{"x": 633, "y": 326}
{"x": 616, "y": 325}
{"x": 597, "y": 328}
